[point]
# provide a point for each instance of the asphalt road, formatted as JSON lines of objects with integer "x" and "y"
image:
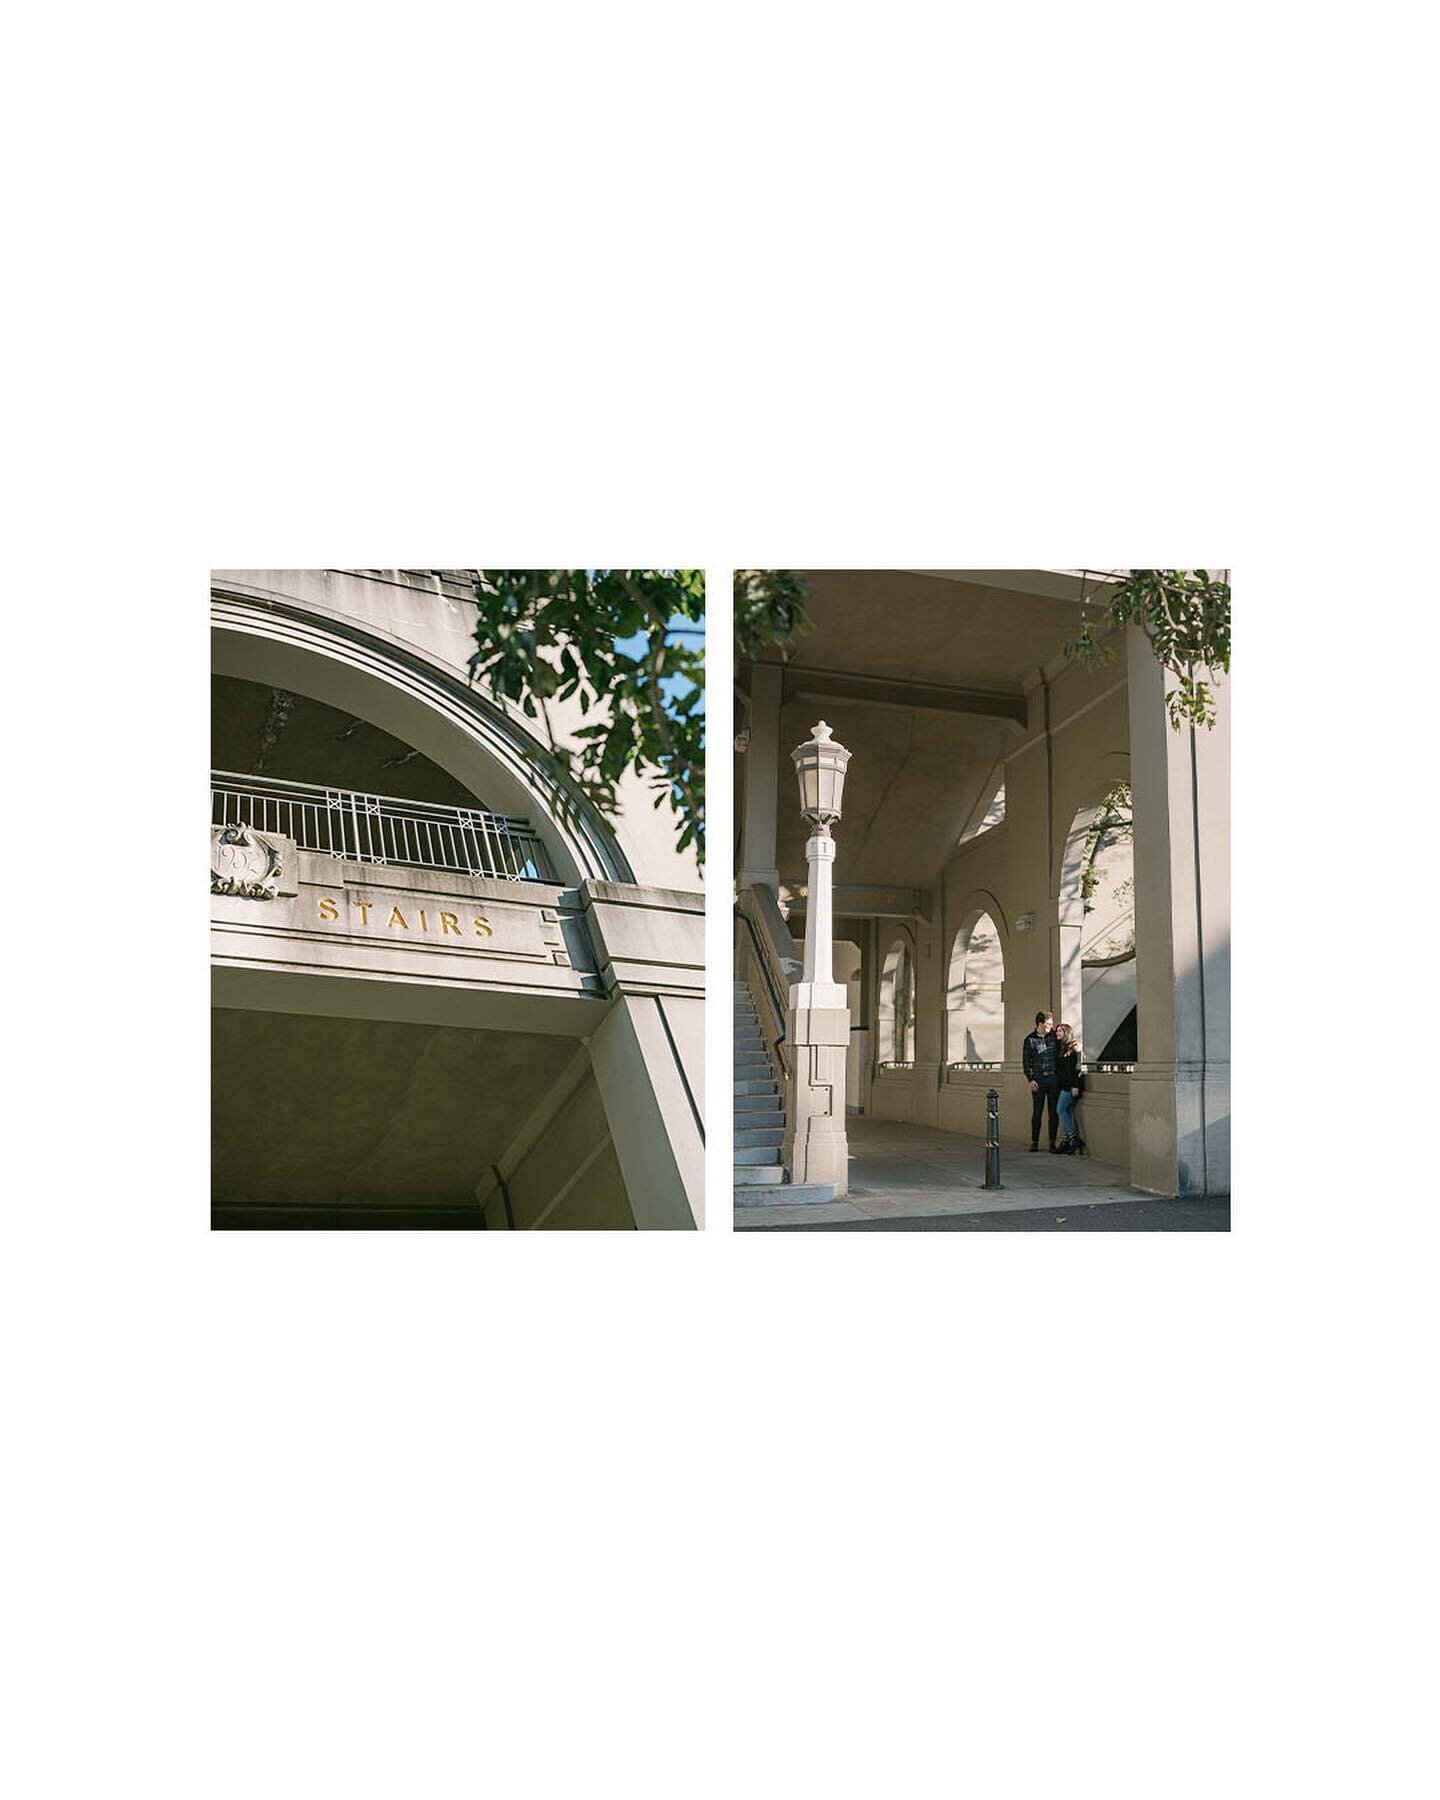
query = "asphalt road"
{"x": 1117, "y": 1215}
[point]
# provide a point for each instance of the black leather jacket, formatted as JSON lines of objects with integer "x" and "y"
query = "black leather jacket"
{"x": 1038, "y": 1057}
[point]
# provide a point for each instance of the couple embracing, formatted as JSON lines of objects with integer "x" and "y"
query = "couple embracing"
{"x": 1052, "y": 1065}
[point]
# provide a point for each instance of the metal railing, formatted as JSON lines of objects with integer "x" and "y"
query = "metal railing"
{"x": 381, "y": 829}
{"x": 772, "y": 993}
{"x": 1090, "y": 1068}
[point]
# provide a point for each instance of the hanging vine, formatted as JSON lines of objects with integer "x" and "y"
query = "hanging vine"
{"x": 1185, "y": 613}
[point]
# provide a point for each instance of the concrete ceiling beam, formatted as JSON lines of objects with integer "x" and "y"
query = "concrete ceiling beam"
{"x": 880, "y": 690}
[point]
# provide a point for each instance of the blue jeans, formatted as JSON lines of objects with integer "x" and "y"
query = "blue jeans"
{"x": 1068, "y": 1104}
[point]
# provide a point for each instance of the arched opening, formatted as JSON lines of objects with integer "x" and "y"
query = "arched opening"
{"x": 988, "y": 813}
{"x": 1097, "y": 931}
{"x": 895, "y": 1015}
{"x": 425, "y": 708}
{"x": 975, "y": 993}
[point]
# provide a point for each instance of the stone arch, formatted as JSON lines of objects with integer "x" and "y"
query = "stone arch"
{"x": 1078, "y": 789}
{"x": 1076, "y": 813}
{"x": 975, "y": 985}
{"x": 895, "y": 1008}
{"x": 398, "y": 687}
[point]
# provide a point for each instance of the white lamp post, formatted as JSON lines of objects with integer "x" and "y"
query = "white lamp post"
{"x": 820, "y": 765}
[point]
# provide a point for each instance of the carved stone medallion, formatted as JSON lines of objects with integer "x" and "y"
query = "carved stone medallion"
{"x": 245, "y": 863}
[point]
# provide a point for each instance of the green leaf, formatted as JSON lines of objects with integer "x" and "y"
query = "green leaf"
{"x": 586, "y": 613}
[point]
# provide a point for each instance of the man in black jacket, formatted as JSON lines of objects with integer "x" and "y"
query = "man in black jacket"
{"x": 1041, "y": 1072}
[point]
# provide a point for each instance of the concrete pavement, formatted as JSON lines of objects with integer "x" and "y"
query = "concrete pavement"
{"x": 915, "y": 1176}
{"x": 1068, "y": 1215}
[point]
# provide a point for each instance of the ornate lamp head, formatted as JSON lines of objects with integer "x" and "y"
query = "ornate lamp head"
{"x": 820, "y": 769}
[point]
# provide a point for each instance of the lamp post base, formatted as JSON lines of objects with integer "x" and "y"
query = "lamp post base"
{"x": 816, "y": 1149}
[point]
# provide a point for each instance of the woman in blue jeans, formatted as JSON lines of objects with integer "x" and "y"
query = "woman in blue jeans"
{"x": 1067, "y": 1069}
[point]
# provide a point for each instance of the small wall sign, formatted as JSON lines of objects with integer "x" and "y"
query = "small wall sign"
{"x": 419, "y": 918}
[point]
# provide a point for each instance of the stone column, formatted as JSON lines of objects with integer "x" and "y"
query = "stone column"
{"x": 648, "y": 1053}
{"x": 1180, "y": 1091}
{"x": 652, "y": 1109}
{"x": 926, "y": 1073}
{"x": 864, "y": 1039}
{"x": 816, "y": 1148}
{"x": 762, "y": 761}
{"x": 1068, "y": 931}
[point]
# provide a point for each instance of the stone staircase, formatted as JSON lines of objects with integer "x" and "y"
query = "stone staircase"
{"x": 760, "y": 1121}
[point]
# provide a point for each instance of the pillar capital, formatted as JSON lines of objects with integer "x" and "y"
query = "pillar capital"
{"x": 820, "y": 846}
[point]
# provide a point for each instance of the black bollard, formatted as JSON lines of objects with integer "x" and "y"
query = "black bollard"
{"x": 992, "y": 1139}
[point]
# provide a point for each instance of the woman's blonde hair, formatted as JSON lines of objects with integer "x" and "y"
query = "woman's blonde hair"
{"x": 1067, "y": 1033}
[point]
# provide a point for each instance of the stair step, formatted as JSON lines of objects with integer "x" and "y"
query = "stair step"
{"x": 758, "y": 1118}
{"x": 770, "y": 1175}
{"x": 756, "y": 1087}
{"x": 804, "y": 1193}
{"x": 757, "y": 1155}
{"x": 749, "y": 1135}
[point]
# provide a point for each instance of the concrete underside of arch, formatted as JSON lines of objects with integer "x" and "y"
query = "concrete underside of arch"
{"x": 322, "y": 1121}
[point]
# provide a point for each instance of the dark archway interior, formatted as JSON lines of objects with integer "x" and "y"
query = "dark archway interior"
{"x": 256, "y": 730}
{"x": 320, "y": 1122}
